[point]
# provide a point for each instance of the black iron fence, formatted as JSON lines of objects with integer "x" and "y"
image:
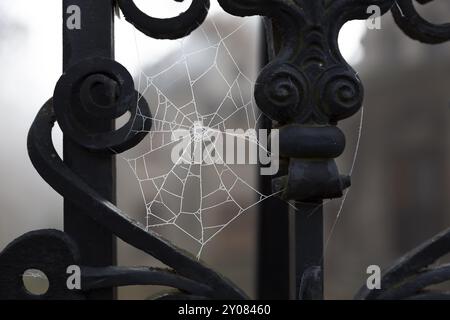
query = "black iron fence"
{"x": 305, "y": 88}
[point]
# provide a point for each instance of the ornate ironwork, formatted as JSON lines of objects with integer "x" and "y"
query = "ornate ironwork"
{"x": 306, "y": 89}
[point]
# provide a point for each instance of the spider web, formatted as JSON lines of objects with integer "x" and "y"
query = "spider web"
{"x": 204, "y": 90}
{"x": 204, "y": 87}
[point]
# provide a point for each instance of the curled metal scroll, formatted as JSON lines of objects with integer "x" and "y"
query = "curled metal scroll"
{"x": 100, "y": 89}
{"x": 416, "y": 27}
{"x": 49, "y": 251}
{"x": 168, "y": 28}
{"x": 411, "y": 275}
{"x": 191, "y": 275}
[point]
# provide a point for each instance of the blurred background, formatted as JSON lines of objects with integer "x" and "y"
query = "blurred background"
{"x": 399, "y": 196}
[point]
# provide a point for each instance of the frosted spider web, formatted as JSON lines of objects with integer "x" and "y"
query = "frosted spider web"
{"x": 204, "y": 84}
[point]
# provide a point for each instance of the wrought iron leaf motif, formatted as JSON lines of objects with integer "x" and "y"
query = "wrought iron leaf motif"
{"x": 308, "y": 81}
{"x": 307, "y": 88}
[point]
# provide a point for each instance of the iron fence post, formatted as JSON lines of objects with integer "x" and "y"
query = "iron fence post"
{"x": 308, "y": 253}
{"x": 93, "y": 39}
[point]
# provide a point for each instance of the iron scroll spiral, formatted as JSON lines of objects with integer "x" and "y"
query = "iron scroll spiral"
{"x": 187, "y": 274}
{"x": 100, "y": 89}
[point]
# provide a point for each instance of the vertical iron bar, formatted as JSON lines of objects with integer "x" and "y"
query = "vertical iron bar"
{"x": 273, "y": 233}
{"x": 273, "y": 239}
{"x": 94, "y": 39}
{"x": 299, "y": 232}
{"x": 308, "y": 244}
